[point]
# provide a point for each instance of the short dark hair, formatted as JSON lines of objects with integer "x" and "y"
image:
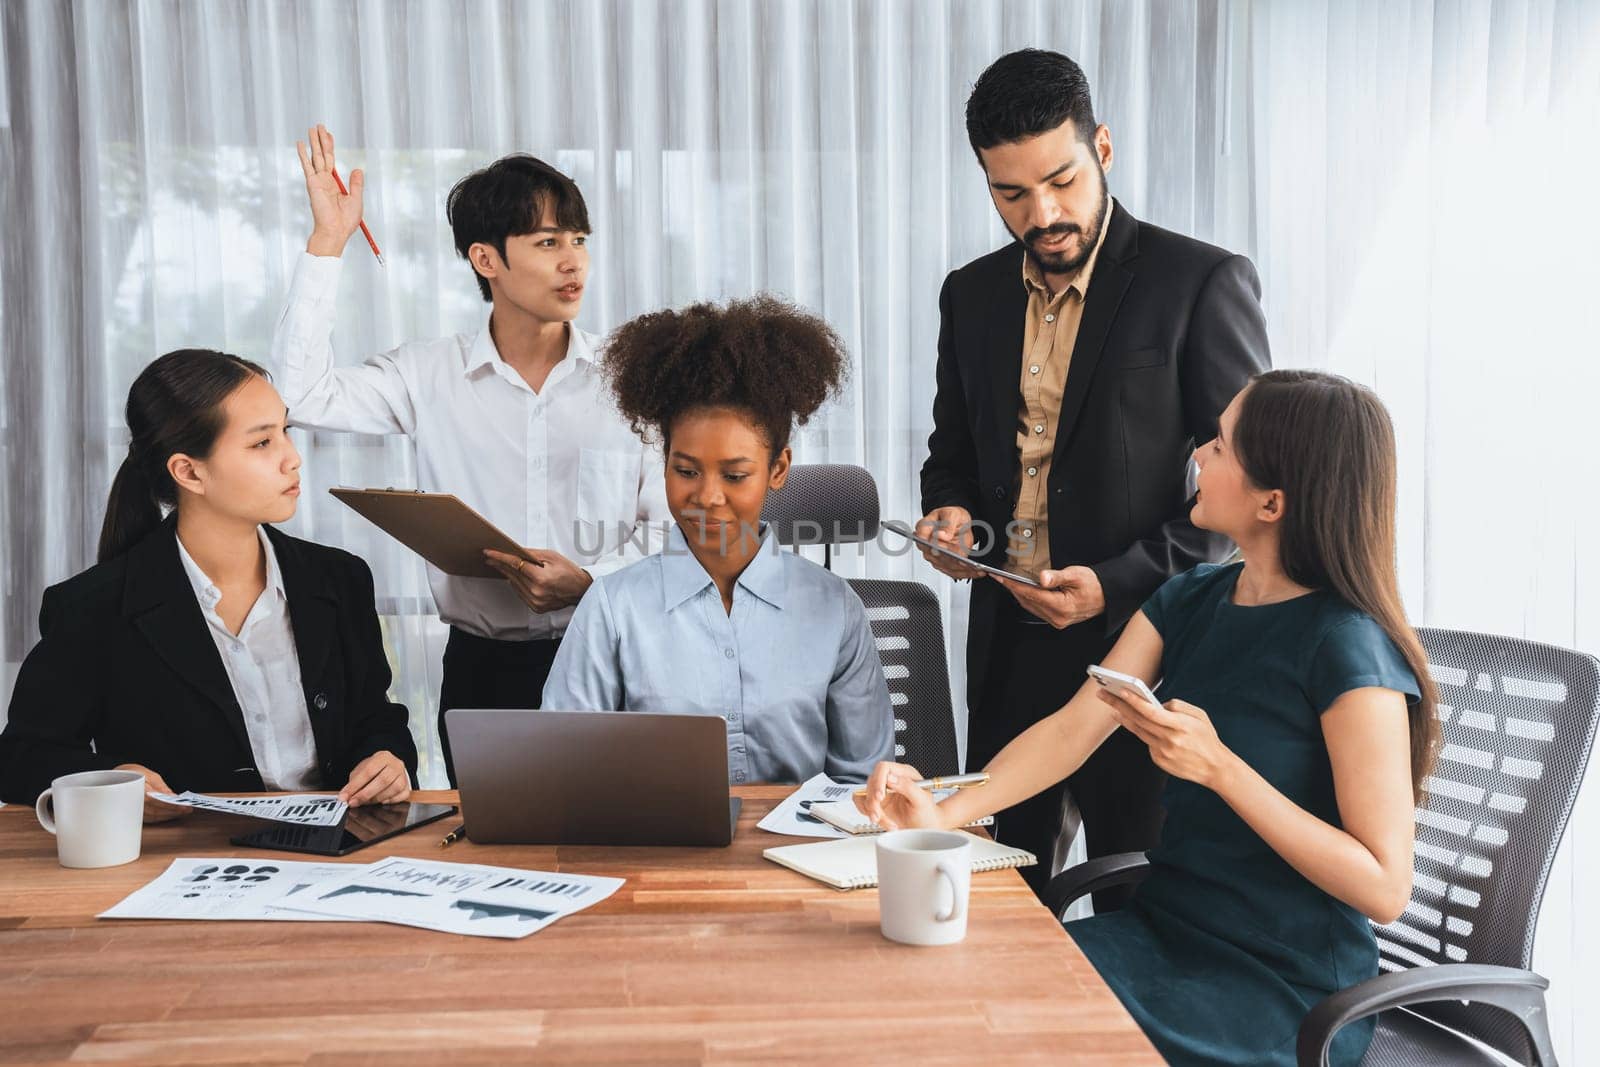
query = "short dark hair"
{"x": 1026, "y": 93}
{"x": 763, "y": 357}
{"x": 507, "y": 199}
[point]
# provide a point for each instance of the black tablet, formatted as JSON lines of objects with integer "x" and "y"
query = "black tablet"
{"x": 359, "y": 828}
{"x": 895, "y": 526}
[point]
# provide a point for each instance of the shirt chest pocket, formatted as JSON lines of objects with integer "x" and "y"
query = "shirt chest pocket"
{"x": 608, "y": 495}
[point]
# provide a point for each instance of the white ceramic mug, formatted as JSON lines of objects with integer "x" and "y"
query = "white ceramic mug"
{"x": 923, "y": 880}
{"x": 97, "y": 817}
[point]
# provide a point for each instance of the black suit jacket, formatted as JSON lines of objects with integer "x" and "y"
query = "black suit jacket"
{"x": 1171, "y": 329}
{"x": 125, "y": 664}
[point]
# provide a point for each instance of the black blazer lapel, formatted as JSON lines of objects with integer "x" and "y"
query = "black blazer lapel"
{"x": 1113, "y": 274}
{"x": 1004, "y": 314}
{"x": 314, "y": 617}
{"x": 160, "y": 602}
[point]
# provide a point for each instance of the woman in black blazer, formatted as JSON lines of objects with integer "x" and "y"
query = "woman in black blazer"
{"x": 208, "y": 650}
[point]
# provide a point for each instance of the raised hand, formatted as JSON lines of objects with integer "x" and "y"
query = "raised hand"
{"x": 334, "y": 215}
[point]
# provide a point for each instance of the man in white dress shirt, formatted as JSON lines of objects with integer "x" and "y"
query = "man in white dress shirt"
{"x": 513, "y": 418}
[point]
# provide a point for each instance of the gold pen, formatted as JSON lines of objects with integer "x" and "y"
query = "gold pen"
{"x": 454, "y": 835}
{"x": 955, "y": 781}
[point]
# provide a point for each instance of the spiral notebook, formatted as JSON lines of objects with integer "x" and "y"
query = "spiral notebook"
{"x": 843, "y": 815}
{"x": 852, "y": 862}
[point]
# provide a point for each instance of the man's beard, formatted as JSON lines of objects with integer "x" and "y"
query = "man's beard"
{"x": 1061, "y": 262}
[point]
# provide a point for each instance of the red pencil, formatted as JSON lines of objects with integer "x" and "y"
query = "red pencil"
{"x": 364, "y": 231}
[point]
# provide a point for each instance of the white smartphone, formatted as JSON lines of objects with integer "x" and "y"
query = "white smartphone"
{"x": 1122, "y": 684}
{"x": 896, "y": 526}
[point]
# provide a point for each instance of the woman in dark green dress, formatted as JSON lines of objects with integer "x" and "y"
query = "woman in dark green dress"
{"x": 1296, "y": 727}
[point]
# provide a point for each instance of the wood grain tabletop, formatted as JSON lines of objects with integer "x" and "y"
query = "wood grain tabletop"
{"x": 704, "y": 956}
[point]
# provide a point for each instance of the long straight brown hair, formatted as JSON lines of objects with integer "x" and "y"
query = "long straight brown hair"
{"x": 1328, "y": 444}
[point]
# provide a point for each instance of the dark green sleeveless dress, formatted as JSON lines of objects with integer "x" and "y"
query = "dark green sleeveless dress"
{"x": 1225, "y": 947}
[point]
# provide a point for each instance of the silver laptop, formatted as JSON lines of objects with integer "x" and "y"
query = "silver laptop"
{"x": 592, "y": 777}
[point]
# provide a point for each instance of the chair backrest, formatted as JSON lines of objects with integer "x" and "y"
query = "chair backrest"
{"x": 824, "y": 504}
{"x": 1518, "y": 722}
{"x": 837, "y": 503}
{"x": 910, "y": 633}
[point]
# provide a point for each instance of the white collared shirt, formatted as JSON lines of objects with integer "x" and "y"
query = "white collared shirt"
{"x": 559, "y": 468}
{"x": 264, "y": 666}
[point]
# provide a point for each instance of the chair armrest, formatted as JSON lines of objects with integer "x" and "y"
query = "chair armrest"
{"x": 1514, "y": 990}
{"x": 1093, "y": 876}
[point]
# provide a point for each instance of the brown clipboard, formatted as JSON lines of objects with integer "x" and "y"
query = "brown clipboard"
{"x": 436, "y": 526}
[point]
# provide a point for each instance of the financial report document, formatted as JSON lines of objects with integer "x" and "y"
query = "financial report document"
{"x": 209, "y": 887}
{"x": 304, "y": 809}
{"x": 457, "y": 898}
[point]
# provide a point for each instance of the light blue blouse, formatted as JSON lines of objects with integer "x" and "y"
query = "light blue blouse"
{"x": 794, "y": 669}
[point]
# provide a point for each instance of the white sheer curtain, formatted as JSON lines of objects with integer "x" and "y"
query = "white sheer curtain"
{"x": 814, "y": 150}
{"x": 1412, "y": 179}
{"x": 1423, "y": 217}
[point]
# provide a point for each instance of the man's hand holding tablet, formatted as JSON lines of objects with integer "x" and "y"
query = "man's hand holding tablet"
{"x": 946, "y": 546}
{"x": 1061, "y": 598}
{"x": 944, "y": 536}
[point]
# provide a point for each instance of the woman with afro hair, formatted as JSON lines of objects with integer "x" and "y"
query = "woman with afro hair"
{"x": 721, "y": 621}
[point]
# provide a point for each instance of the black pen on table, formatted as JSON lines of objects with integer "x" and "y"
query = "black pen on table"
{"x": 454, "y": 835}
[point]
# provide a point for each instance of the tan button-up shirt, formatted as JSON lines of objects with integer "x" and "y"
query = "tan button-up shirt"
{"x": 1049, "y": 334}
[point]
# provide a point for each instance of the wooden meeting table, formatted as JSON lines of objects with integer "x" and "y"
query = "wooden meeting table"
{"x": 703, "y": 956}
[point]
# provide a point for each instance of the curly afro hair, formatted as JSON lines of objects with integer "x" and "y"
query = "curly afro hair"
{"x": 762, "y": 356}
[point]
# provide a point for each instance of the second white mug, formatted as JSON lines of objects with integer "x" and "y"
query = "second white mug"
{"x": 923, "y": 881}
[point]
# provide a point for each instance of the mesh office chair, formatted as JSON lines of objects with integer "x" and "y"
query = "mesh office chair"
{"x": 824, "y": 504}
{"x": 1518, "y": 723}
{"x": 836, "y": 503}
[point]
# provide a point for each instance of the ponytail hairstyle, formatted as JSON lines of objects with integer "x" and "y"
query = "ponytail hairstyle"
{"x": 1328, "y": 444}
{"x": 174, "y": 405}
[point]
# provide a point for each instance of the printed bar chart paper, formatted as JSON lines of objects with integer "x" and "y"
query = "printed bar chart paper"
{"x": 304, "y": 809}
{"x": 457, "y": 898}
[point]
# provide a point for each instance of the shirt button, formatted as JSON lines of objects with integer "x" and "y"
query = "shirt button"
{"x": 728, "y": 652}
{"x": 738, "y": 776}
{"x": 1032, "y": 471}
{"x": 1034, "y": 369}
{"x": 1027, "y": 533}
{"x": 1050, "y": 318}
{"x": 1038, "y": 428}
